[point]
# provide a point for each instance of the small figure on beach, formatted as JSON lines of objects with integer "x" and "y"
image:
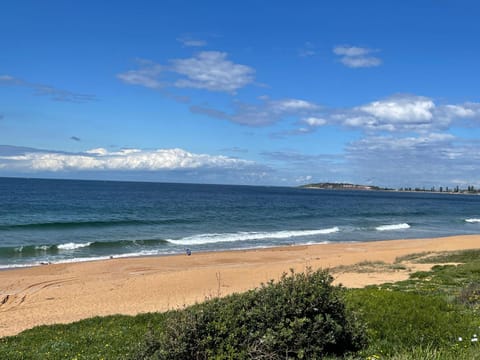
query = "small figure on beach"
{"x": 188, "y": 251}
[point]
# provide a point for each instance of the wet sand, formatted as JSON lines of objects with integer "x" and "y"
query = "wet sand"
{"x": 63, "y": 293}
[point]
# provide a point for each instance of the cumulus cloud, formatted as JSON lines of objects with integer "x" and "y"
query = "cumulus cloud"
{"x": 211, "y": 70}
{"x": 208, "y": 70}
{"x": 171, "y": 165}
{"x": 357, "y": 57}
{"x": 46, "y": 90}
{"x": 265, "y": 113}
{"x": 397, "y": 113}
{"x": 101, "y": 159}
{"x": 402, "y": 109}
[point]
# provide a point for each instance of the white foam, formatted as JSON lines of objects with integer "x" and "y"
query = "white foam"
{"x": 93, "y": 258}
{"x": 72, "y": 246}
{"x": 15, "y": 266}
{"x": 473, "y": 220}
{"x": 393, "y": 227}
{"x": 250, "y": 235}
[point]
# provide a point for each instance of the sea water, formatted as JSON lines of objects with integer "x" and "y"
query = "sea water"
{"x": 52, "y": 221}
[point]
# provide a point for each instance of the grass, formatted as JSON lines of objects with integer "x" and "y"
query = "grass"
{"x": 368, "y": 266}
{"x": 464, "y": 256}
{"x": 453, "y": 257}
{"x": 419, "y": 318}
{"x": 399, "y": 322}
{"x": 111, "y": 337}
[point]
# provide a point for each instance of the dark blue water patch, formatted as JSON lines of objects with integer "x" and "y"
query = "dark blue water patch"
{"x": 91, "y": 224}
{"x": 54, "y": 219}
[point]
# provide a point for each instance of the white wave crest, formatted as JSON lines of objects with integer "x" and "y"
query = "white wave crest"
{"x": 72, "y": 246}
{"x": 393, "y": 227}
{"x": 250, "y": 235}
{"x": 473, "y": 220}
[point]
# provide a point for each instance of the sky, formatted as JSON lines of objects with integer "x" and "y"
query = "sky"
{"x": 277, "y": 93}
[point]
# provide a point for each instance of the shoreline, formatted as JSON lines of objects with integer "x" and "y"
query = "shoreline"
{"x": 67, "y": 292}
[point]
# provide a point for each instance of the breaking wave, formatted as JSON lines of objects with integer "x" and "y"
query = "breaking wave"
{"x": 473, "y": 220}
{"x": 401, "y": 226}
{"x": 250, "y": 235}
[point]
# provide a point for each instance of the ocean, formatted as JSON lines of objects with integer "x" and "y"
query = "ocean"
{"x": 55, "y": 221}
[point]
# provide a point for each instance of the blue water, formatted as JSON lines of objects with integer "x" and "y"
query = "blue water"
{"x": 68, "y": 220}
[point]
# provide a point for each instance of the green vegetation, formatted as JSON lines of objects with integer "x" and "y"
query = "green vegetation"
{"x": 452, "y": 257}
{"x": 302, "y": 316}
{"x": 369, "y": 267}
{"x": 111, "y": 337}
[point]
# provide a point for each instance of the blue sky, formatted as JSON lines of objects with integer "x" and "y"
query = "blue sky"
{"x": 244, "y": 92}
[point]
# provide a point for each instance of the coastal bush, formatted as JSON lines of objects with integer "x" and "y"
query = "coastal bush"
{"x": 302, "y": 316}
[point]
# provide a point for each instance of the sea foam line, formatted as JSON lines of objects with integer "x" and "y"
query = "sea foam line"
{"x": 249, "y": 235}
{"x": 87, "y": 259}
{"x": 73, "y": 246}
{"x": 472, "y": 220}
{"x": 393, "y": 227}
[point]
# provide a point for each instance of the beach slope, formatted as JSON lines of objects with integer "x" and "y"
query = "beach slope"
{"x": 63, "y": 293}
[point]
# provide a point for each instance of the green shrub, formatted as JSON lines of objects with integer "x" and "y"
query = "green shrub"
{"x": 301, "y": 317}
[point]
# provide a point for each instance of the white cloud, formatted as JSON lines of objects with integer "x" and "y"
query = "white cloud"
{"x": 211, "y": 70}
{"x": 462, "y": 111}
{"x": 288, "y": 105}
{"x": 407, "y": 113}
{"x": 208, "y": 70}
{"x": 402, "y": 109}
{"x": 314, "y": 121}
{"x": 397, "y": 113}
{"x": 147, "y": 75}
{"x": 357, "y": 57}
{"x": 101, "y": 159}
{"x": 265, "y": 113}
{"x": 346, "y": 50}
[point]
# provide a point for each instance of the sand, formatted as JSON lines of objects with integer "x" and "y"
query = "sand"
{"x": 64, "y": 293}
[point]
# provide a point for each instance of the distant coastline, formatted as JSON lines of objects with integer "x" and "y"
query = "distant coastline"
{"x": 470, "y": 190}
{"x": 341, "y": 186}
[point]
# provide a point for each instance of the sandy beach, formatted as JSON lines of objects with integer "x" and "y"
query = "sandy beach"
{"x": 64, "y": 293}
